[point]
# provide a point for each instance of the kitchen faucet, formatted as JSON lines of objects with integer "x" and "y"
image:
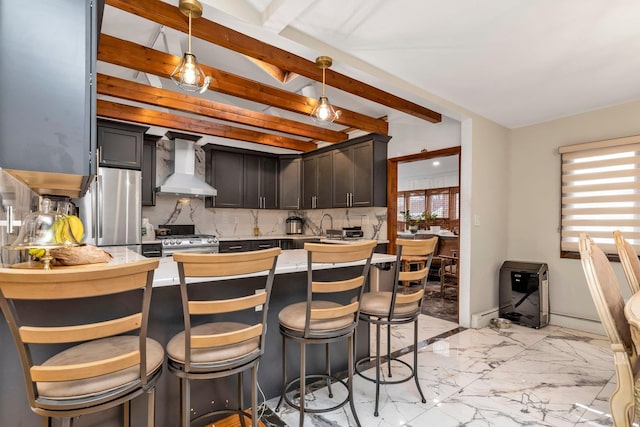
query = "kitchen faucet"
{"x": 322, "y": 219}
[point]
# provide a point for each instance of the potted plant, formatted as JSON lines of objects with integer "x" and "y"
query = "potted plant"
{"x": 429, "y": 219}
{"x": 410, "y": 223}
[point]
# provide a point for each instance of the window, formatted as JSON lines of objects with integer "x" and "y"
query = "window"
{"x": 444, "y": 202}
{"x": 600, "y": 193}
{"x": 438, "y": 202}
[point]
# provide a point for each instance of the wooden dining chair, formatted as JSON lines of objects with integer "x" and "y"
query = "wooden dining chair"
{"x": 605, "y": 291}
{"x": 73, "y": 366}
{"x": 629, "y": 260}
{"x": 449, "y": 272}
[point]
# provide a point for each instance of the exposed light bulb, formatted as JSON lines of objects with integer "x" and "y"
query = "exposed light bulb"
{"x": 189, "y": 72}
{"x": 323, "y": 112}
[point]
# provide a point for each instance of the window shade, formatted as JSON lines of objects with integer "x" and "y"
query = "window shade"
{"x": 601, "y": 192}
{"x": 439, "y": 202}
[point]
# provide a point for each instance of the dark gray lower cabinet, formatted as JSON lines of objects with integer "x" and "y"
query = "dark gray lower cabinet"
{"x": 257, "y": 245}
{"x": 248, "y": 245}
{"x": 235, "y": 246}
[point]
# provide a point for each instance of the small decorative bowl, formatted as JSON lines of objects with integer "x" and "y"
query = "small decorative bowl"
{"x": 501, "y": 323}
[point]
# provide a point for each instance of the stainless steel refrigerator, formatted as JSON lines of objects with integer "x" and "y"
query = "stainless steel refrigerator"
{"x": 111, "y": 210}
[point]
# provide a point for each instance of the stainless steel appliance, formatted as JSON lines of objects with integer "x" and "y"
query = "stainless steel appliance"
{"x": 194, "y": 243}
{"x": 294, "y": 225}
{"x": 111, "y": 210}
{"x": 346, "y": 233}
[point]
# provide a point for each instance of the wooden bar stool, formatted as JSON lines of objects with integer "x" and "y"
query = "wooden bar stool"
{"x": 321, "y": 320}
{"x": 220, "y": 345}
{"x": 104, "y": 368}
{"x": 400, "y": 306}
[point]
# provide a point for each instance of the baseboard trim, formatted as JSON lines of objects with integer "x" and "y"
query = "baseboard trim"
{"x": 482, "y": 319}
{"x": 581, "y": 324}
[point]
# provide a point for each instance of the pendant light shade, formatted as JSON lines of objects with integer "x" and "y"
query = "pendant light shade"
{"x": 188, "y": 74}
{"x": 324, "y": 111}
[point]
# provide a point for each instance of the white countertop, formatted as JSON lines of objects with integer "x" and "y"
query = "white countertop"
{"x": 289, "y": 261}
{"x": 272, "y": 237}
{"x": 295, "y": 237}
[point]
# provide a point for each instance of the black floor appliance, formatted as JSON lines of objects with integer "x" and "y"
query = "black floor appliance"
{"x": 524, "y": 293}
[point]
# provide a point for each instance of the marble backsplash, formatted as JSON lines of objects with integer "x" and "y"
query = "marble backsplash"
{"x": 227, "y": 222}
{"x": 16, "y": 196}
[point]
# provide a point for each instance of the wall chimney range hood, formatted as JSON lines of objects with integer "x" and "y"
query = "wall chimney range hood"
{"x": 183, "y": 181}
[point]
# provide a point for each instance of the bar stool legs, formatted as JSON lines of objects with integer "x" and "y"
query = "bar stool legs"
{"x": 302, "y": 380}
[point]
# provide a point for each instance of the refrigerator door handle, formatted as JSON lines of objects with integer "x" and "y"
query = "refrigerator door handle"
{"x": 98, "y": 215}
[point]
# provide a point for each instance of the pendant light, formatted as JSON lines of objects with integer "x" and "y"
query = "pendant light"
{"x": 324, "y": 111}
{"x": 188, "y": 74}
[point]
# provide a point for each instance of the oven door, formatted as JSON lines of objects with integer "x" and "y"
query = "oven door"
{"x": 195, "y": 250}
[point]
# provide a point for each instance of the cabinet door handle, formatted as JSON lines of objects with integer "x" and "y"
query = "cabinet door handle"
{"x": 233, "y": 248}
{"x": 298, "y": 203}
{"x": 347, "y": 199}
{"x": 98, "y": 207}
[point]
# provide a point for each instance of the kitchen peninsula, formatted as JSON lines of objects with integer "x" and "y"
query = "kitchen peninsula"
{"x": 165, "y": 320}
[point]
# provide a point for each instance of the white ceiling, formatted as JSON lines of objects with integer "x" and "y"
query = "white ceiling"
{"x": 515, "y": 62}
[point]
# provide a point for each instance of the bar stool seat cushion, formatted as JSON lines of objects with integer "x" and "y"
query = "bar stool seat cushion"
{"x": 97, "y": 350}
{"x": 176, "y": 346}
{"x": 293, "y": 317}
{"x": 379, "y": 303}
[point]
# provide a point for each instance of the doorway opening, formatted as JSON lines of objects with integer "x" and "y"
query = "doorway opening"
{"x": 423, "y": 201}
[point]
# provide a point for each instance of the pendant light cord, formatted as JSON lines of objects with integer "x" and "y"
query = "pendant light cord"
{"x": 323, "y": 82}
{"x": 189, "y": 31}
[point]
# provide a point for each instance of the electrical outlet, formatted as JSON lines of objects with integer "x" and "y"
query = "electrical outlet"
{"x": 259, "y": 291}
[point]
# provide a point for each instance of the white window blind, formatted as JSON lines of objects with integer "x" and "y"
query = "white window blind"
{"x": 601, "y": 192}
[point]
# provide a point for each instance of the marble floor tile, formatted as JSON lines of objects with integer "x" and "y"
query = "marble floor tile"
{"x": 482, "y": 377}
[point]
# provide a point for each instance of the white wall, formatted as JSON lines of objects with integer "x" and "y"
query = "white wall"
{"x": 534, "y": 203}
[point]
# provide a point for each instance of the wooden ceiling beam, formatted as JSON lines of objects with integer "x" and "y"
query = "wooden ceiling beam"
{"x": 114, "y": 110}
{"x": 170, "y": 16}
{"x": 132, "y": 91}
{"x": 140, "y": 58}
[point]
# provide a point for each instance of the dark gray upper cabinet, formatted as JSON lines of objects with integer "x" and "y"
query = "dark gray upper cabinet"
{"x": 360, "y": 172}
{"x": 225, "y": 172}
{"x": 317, "y": 175}
{"x": 290, "y": 182}
{"x": 120, "y": 144}
{"x": 149, "y": 170}
{"x": 260, "y": 182}
{"x": 47, "y": 120}
{"x": 342, "y": 177}
{"x": 354, "y": 171}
